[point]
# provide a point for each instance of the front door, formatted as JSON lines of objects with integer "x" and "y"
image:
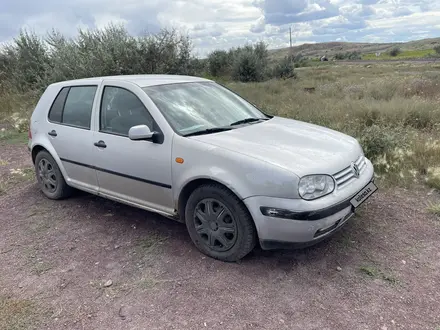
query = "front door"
{"x": 69, "y": 132}
{"x": 137, "y": 172}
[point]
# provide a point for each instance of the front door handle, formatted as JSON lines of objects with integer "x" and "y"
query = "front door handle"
{"x": 52, "y": 133}
{"x": 100, "y": 144}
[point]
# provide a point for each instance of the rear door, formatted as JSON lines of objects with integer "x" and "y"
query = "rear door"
{"x": 69, "y": 123}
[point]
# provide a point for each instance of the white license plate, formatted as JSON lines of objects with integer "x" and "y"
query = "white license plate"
{"x": 363, "y": 195}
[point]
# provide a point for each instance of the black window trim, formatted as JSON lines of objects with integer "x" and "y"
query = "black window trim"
{"x": 159, "y": 130}
{"x": 64, "y": 104}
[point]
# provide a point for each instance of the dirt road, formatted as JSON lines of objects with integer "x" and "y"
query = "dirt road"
{"x": 88, "y": 263}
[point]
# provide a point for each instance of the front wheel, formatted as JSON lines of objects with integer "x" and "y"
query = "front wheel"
{"x": 219, "y": 223}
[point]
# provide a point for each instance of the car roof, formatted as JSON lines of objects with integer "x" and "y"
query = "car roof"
{"x": 142, "y": 80}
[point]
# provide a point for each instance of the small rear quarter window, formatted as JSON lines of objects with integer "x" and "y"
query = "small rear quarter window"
{"x": 56, "y": 110}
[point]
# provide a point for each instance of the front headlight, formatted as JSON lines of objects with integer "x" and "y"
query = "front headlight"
{"x": 315, "y": 186}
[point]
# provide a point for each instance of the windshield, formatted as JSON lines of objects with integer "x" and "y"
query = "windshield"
{"x": 193, "y": 107}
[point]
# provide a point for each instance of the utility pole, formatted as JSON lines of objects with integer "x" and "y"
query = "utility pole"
{"x": 291, "y": 53}
{"x": 290, "y": 38}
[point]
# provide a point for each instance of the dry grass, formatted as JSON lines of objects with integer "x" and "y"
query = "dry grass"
{"x": 432, "y": 178}
{"x": 19, "y": 104}
{"x": 18, "y": 314}
{"x": 15, "y": 177}
{"x": 393, "y": 109}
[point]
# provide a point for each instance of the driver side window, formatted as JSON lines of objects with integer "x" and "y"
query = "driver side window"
{"x": 121, "y": 110}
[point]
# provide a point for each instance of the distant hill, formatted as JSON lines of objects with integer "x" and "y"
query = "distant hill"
{"x": 331, "y": 48}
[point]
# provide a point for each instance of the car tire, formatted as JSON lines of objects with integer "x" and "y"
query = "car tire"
{"x": 227, "y": 235}
{"x": 49, "y": 177}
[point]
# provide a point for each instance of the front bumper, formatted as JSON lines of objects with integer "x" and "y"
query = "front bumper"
{"x": 314, "y": 221}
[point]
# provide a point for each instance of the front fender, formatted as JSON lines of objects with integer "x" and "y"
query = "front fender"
{"x": 243, "y": 175}
{"x": 210, "y": 173}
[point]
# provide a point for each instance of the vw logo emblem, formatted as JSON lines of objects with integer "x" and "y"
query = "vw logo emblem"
{"x": 355, "y": 170}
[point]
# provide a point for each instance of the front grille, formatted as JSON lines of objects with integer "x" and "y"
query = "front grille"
{"x": 347, "y": 175}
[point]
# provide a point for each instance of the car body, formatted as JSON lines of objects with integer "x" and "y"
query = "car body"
{"x": 163, "y": 142}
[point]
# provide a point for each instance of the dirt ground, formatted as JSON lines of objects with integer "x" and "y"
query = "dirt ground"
{"x": 88, "y": 263}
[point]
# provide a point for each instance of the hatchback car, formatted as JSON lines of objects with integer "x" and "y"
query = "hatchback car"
{"x": 194, "y": 151}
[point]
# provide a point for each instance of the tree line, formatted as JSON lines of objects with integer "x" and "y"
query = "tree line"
{"x": 33, "y": 62}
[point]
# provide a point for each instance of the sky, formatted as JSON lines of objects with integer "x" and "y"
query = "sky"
{"x": 222, "y": 24}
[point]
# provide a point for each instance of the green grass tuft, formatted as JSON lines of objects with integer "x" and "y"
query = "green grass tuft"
{"x": 434, "y": 209}
{"x": 433, "y": 182}
{"x": 404, "y": 55}
{"x": 150, "y": 242}
{"x": 374, "y": 272}
{"x": 369, "y": 270}
{"x": 14, "y": 137}
{"x": 148, "y": 283}
{"x": 390, "y": 279}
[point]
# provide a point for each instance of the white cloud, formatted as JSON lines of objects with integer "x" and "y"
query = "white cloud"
{"x": 259, "y": 25}
{"x": 103, "y": 20}
{"x": 229, "y": 23}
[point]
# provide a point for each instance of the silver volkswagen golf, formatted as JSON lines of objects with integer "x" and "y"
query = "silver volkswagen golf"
{"x": 192, "y": 150}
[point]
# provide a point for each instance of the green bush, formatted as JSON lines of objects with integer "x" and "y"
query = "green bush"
{"x": 219, "y": 63}
{"x": 354, "y": 56}
{"x": 284, "y": 69}
{"x": 246, "y": 67}
{"x": 395, "y": 51}
{"x": 298, "y": 58}
{"x": 248, "y": 63}
{"x": 377, "y": 141}
{"x": 30, "y": 62}
{"x": 198, "y": 66}
{"x": 437, "y": 49}
{"x": 348, "y": 56}
{"x": 23, "y": 62}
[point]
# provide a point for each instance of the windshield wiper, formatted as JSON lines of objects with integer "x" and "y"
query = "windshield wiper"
{"x": 209, "y": 131}
{"x": 247, "y": 120}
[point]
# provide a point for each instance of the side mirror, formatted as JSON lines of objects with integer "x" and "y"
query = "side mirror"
{"x": 140, "y": 132}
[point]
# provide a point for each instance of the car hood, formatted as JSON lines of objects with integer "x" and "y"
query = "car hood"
{"x": 299, "y": 147}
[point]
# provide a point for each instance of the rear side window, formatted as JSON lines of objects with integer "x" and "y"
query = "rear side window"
{"x": 78, "y": 106}
{"x": 56, "y": 110}
{"x": 73, "y": 106}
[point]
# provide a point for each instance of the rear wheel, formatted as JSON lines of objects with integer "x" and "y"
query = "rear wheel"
{"x": 219, "y": 223}
{"x": 49, "y": 177}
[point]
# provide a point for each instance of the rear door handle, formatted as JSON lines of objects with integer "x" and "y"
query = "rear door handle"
{"x": 52, "y": 133}
{"x": 100, "y": 144}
